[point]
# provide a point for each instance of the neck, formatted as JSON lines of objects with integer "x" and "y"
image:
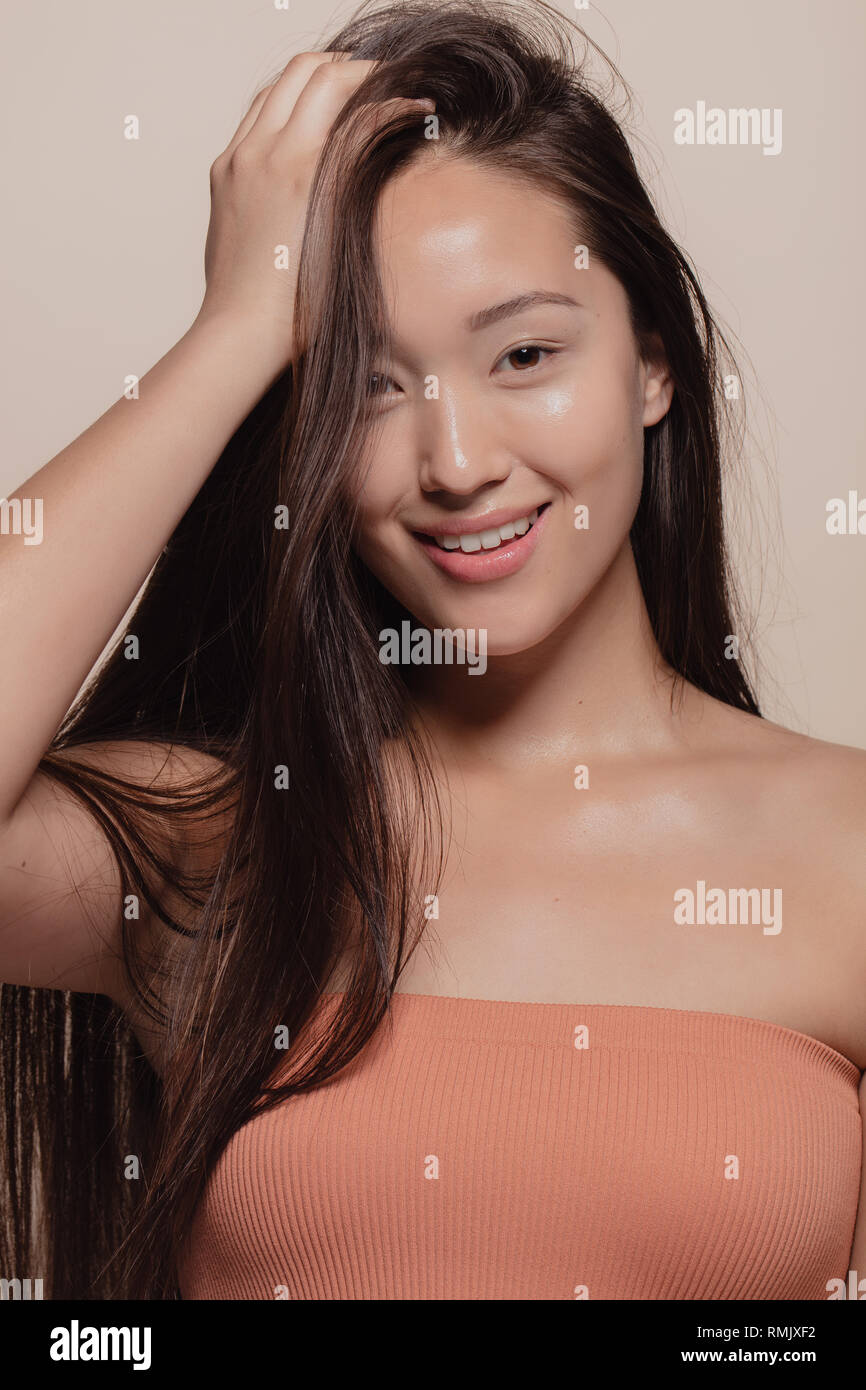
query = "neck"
{"x": 596, "y": 685}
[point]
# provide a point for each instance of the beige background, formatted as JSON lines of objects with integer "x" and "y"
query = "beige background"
{"x": 101, "y": 269}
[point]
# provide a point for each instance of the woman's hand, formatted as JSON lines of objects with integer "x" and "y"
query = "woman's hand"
{"x": 260, "y": 186}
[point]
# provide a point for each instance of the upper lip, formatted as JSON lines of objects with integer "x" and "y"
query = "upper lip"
{"x": 468, "y": 525}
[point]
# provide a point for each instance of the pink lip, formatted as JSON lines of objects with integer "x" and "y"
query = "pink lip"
{"x": 472, "y": 525}
{"x": 485, "y": 565}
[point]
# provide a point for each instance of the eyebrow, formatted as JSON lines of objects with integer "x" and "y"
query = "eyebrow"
{"x": 485, "y": 317}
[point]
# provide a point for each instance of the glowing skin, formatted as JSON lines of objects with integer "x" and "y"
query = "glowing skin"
{"x": 560, "y": 422}
{"x": 552, "y": 893}
{"x": 549, "y": 893}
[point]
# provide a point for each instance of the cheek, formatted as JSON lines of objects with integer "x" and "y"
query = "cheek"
{"x": 378, "y": 487}
{"x": 382, "y": 485}
{"x": 588, "y": 439}
{"x": 588, "y": 432}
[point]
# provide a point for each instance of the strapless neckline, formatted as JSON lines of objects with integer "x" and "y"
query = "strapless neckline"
{"x": 470, "y": 1009}
{"x": 506, "y": 1149}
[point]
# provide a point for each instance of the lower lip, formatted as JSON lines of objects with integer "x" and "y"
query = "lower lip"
{"x": 481, "y": 566}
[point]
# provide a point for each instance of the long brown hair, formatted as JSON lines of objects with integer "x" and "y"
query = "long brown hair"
{"x": 259, "y": 646}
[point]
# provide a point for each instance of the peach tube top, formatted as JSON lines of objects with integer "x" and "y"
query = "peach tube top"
{"x": 495, "y": 1150}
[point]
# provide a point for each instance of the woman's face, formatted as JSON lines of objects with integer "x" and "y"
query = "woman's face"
{"x": 488, "y": 414}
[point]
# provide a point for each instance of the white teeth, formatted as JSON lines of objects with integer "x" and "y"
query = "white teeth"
{"x": 489, "y": 539}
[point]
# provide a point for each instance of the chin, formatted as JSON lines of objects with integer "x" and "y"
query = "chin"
{"x": 506, "y": 634}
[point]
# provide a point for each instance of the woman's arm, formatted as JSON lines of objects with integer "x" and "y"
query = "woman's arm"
{"x": 110, "y": 502}
{"x": 112, "y": 498}
{"x": 59, "y": 881}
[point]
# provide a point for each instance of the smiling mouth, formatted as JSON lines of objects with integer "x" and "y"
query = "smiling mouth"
{"x": 486, "y": 541}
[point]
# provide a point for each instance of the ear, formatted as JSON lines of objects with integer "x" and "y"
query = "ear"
{"x": 656, "y": 381}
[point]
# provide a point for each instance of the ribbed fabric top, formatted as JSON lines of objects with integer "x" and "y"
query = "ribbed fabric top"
{"x": 486, "y": 1149}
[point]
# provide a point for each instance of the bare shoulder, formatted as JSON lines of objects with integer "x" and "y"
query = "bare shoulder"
{"x": 818, "y": 790}
{"x": 191, "y": 844}
{"x": 801, "y": 798}
{"x": 779, "y": 755}
{"x": 189, "y": 811}
{"x": 147, "y": 763}
{"x": 819, "y": 777}
{"x": 65, "y": 913}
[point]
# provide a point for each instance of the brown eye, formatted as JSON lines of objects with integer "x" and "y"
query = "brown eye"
{"x": 378, "y": 384}
{"x": 525, "y": 353}
{"x": 527, "y": 357}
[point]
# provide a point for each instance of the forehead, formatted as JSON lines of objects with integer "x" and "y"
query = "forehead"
{"x": 451, "y": 234}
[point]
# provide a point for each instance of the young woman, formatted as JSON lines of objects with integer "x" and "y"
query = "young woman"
{"x": 450, "y": 378}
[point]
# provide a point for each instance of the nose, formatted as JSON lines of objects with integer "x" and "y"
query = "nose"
{"x": 460, "y": 448}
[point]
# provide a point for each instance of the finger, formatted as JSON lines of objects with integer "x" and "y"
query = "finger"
{"x": 246, "y": 124}
{"x": 319, "y": 104}
{"x": 261, "y": 97}
{"x": 290, "y": 86}
{"x": 312, "y": 120}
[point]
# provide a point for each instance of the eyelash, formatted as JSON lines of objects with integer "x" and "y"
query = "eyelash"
{"x": 523, "y": 347}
